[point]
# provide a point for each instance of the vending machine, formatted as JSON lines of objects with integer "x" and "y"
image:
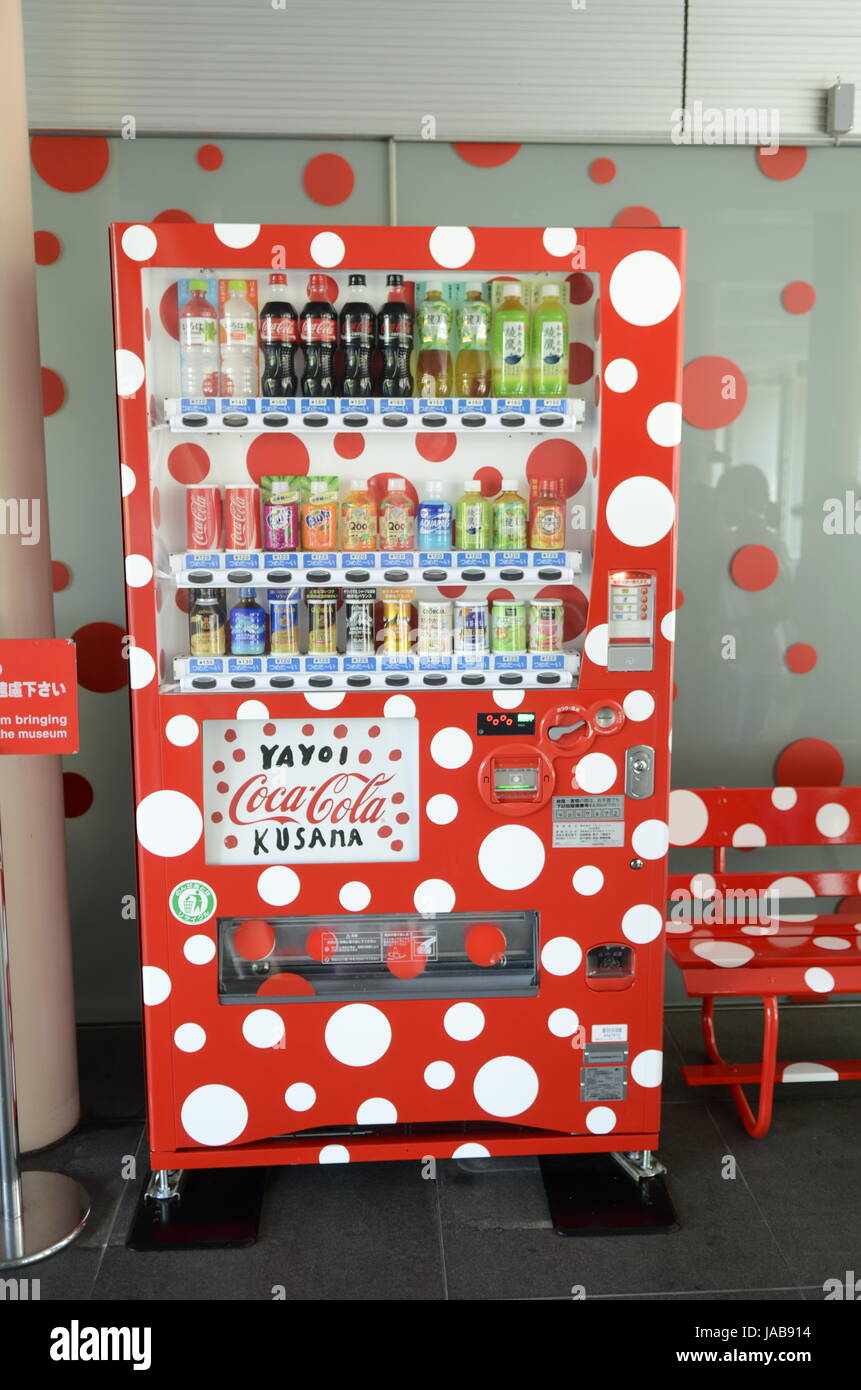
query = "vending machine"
{"x": 399, "y": 514}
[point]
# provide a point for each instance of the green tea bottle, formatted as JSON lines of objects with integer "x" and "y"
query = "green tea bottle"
{"x": 510, "y": 518}
{"x": 549, "y": 351}
{"x": 472, "y": 519}
{"x": 510, "y": 348}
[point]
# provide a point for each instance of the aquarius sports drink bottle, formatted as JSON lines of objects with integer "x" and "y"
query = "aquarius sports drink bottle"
{"x": 395, "y": 332}
{"x": 319, "y": 333}
{"x": 433, "y": 327}
{"x": 472, "y": 364}
{"x": 248, "y": 624}
{"x": 279, "y": 332}
{"x": 472, "y": 519}
{"x": 198, "y": 343}
{"x": 358, "y": 332}
{"x": 434, "y": 519}
{"x": 511, "y": 343}
{"x": 549, "y": 351}
{"x": 239, "y": 374}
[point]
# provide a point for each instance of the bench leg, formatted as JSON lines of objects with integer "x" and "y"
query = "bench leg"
{"x": 756, "y": 1125}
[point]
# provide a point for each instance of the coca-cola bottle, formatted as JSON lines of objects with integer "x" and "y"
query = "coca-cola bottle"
{"x": 279, "y": 331}
{"x": 358, "y": 330}
{"x": 396, "y": 340}
{"x": 319, "y": 333}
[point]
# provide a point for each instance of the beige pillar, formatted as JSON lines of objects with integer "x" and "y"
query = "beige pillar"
{"x": 31, "y": 792}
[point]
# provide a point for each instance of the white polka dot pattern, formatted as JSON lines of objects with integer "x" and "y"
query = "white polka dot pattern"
{"x": 358, "y": 1035}
{"x": 511, "y": 857}
{"x": 645, "y": 288}
{"x": 451, "y": 247}
{"x": 463, "y": 1022}
{"x": 214, "y": 1115}
{"x": 689, "y": 817}
{"x": 640, "y": 511}
{"x": 169, "y": 823}
{"x": 505, "y": 1086}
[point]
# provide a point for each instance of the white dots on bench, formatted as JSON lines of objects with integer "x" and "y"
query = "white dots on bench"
{"x": 689, "y": 818}
{"x": 748, "y": 836}
{"x": 703, "y": 887}
{"x": 784, "y": 798}
{"x": 819, "y": 980}
{"x": 791, "y": 887}
{"x": 727, "y": 954}
{"x": 832, "y": 943}
{"x": 832, "y": 820}
{"x": 808, "y": 1071}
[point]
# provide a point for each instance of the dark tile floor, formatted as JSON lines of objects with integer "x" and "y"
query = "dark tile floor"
{"x": 783, "y": 1224}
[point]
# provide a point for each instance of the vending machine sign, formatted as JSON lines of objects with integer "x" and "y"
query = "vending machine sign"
{"x": 285, "y": 791}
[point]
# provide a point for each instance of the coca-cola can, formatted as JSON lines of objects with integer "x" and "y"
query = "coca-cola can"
{"x": 241, "y": 517}
{"x": 203, "y": 514}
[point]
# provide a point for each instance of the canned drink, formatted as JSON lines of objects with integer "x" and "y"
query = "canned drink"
{"x": 284, "y": 622}
{"x": 241, "y": 517}
{"x": 203, "y": 518}
{"x": 359, "y": 608}
{"x": 396, "y": 622}
{"x": 470, "y": 627}
{"x": 545, "y": 625}
{"x": 435, "y": 632}
{"x": 508, "y": 626}
{"x": 281, "y": 517}
{"x": 322, "y": 622}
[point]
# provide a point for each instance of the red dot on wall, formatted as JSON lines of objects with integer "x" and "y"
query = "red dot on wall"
{"x": 173, "y": 215}
{"x": 210, "y": 157}
{"x": 801, "y": 658}
{"x": 188, "y": 463}
{"x": 798, "y": 297}
{"x": 182, "y": 599}
{"x": 70, "y": 163}
{"x": 581, "y": 287}
{"x": 452, "y": 590}
{"x": 77, "y": 794}
{"x": 680, "y": 598}
{"x": 602, "y": 170}
{"x": 168, "y": 310}
{"x": 328, "y": 179}
{"x": 348, "y": 445}
{"x": 61, "y": 576}
{"x": 490, "y": 479}
{"x": 485, "y": 154}
{"x": 48, "y": 248}
{"x": 156, "y": 508}
{"x": 560, "y": 460}
{"x": 285, "y": 983}
{"x": 435, "y": 448}
{"x": 53, "y": 391}
{"x": 714, "y": 392}
{"x": 636, "y": 217}
{"x": 809, "y": 762}
{"x": 581, "y": 363}
{"x": 266, "y": 454}
{"x": 102, "y": 665}
{"x": 754, "y": 567}
{"x": 782, "y": 163}
{"x": 597, "y": 319}
{"x": 575, "y": 607}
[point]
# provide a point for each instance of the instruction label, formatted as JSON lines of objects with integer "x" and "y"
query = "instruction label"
{"x": 588, "y": 822}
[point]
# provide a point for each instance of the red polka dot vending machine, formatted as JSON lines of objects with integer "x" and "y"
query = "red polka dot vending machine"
{"x": 399, "y": 518}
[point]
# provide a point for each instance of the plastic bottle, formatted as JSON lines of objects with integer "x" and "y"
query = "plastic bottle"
{"x": 358, "y": 333}
{"x": 318, "y": 329}
{"x": 397, "y": 517}
{"x": 472, "y": 374}
{"x": 207, "y": 623}
{"x": 239, "y": 373}
{"x": 510, "y": 518}
{"x": 433, "y": 328}
{"x": 395, "y": 332}
{"x": 248, "y": 624}
{"x": 434, "y": 519}
{"x": 511, "y": 343}
{"x": 547, "y": 520}
{"x": 198, "y": 343}
{"x": 472, "y": 519}
{"x": 279, "y": 333}
{"x": 320, "y": 518}
{"x": 549, "y": 350}
{"x": 359, "y": 518}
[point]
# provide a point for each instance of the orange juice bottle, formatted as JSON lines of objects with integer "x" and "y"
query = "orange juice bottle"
{"x": 359, "y": 518}
{"x": 320, "y": 518}
{"x": 547, "y": 520}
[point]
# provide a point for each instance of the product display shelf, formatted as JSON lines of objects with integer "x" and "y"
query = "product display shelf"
{"x": 276, "y": 569}
{"x": 214, "y": 415}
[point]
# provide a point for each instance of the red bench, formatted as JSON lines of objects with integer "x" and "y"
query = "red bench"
{"x": 742, "y": 942}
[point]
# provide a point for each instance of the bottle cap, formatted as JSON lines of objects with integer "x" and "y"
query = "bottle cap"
{"x": 319, "y": 485}
{"x": 550, "y": 291}
{"x": 512, "y": 287}
{"x": 433, "y": 287}
{"x": 472, "y": 486}
{"x": 394, "y": 279}
{"x": 282, "y": 487}
{"x": 509, "y": 485}
{"x": 433, "y": 486}
{"x": 197, "y": 284}
{"x": 396, "y": 485}
{"x": 358, "y": 485}
{"x": 318, "y": 287}
{"x": 474, "y": 287}
{"x": 206, "y": 594}
{"x": 237, "y": 286}
{"x": 276, "y": 278}
{"x": 356, "y": 280}
{"x": 246, "y": 593}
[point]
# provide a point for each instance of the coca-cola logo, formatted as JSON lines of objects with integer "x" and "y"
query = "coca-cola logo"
{"x": 353, "y": 797}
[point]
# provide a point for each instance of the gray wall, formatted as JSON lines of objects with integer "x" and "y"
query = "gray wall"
{"x": 797, "y": 436}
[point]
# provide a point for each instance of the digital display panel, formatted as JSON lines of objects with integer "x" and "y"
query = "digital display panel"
{"x": 504, "y": 722}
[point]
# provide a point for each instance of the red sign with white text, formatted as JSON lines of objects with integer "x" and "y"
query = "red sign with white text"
{"x": 38, "y": 695}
